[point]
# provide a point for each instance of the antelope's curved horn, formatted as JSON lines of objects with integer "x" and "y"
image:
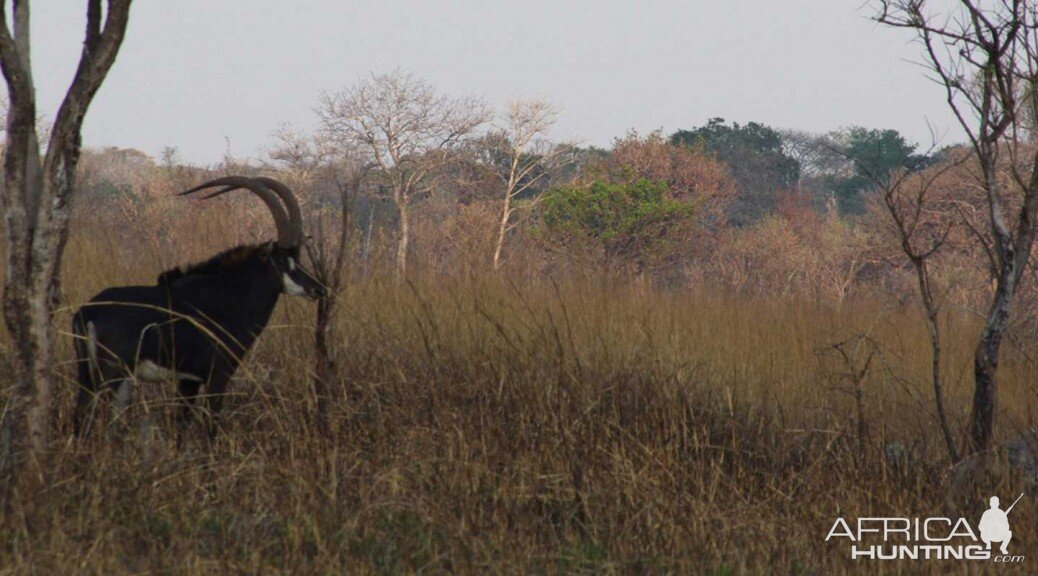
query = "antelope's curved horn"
{"x": 286, "y": 234}
{"x": 218, "y": 192}
{"x": 295, "y": 216}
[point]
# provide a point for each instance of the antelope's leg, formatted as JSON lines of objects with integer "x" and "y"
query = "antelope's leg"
{"x": 123, "y": 395}
{"x": 217, "y": 390}
{"x": 82, "y": 415}
{"x": 188, "y": 388}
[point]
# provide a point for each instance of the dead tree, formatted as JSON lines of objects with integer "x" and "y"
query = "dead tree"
{"x": 918, "y": 208}
{"x": 519, "y": 157}
{"x": 328, "y": 252}
{"x": 915, "y": 204}
{"x": 407, "y": 131}
{"x": 986, "y": 58}
{"x": 331, "y": 175}
{"x": 37, "y": 203}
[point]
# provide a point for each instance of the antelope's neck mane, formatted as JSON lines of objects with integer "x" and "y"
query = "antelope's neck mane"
{"x": 226, "y": 261}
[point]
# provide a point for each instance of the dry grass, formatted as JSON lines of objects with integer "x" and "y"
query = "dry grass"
{"x": 483, "y": 425}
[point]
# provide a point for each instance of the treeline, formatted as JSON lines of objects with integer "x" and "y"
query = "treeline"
{"x": 443, "y": 184}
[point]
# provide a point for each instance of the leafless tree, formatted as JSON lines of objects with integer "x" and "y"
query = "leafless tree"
{"x": 519, "y": 155}
{"x": 37, "y": 203}
{"x": 408, "y": 131}
{"x": 916, "y": 204}
{"x": 316, "y": 165}
{"x": 298, "y": 157}
{"x": 328, "y": 251}
{"x": 986, "y": 58}
{"x": 856, "y": 355}
{"x": 814, "y": 153}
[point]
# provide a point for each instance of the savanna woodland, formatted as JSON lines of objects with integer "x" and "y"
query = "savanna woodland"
{"x": 689, "y": 352}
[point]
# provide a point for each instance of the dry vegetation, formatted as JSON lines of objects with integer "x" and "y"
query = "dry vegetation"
{"x": 496, "y": 423}
{"x": 681, "y": 355}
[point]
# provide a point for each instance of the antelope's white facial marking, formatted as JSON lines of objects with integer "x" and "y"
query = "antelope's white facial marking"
{"x": 291, "y": 263}
{"x": 290, "y": 287}
{"x": 149, "y": 371}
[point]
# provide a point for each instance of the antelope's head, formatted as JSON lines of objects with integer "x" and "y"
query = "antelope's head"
{"x": 282, "y": 255}
{"x": 295, "y": 279}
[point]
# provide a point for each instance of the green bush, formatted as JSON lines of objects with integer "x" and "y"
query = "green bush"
{"x": 635, "y": 219}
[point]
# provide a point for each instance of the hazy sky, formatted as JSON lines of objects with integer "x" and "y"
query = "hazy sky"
{"x": 197, "y": 73}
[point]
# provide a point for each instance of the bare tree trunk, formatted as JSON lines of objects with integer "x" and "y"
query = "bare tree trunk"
{"x": 502, "y": 230}
{"x": 1013, "y": 249}
{"x": 932, "y": 318}
{"x": 985, "y": 361}
{"x": 323, "y": 360}
{"x": 27, "y": 419}
{"x": 985, "y": 373}
{"x": 366, "y": 248}
{"x": 36, "y": 200}
{"x": 401, "y": 247}
{"x": 329, "y": 259}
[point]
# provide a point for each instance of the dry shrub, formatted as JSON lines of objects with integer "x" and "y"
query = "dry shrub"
{"x": 821, "y": 257}
{"x": 453, "y": 237}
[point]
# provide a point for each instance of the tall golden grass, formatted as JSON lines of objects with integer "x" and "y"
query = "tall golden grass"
{"x": 492, "y": 424}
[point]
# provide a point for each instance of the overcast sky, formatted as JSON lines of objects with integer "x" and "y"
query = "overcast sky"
{"x": 196, "y": 74}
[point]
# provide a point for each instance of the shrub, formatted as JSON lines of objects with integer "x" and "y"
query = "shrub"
{"x": 636, "y": 222}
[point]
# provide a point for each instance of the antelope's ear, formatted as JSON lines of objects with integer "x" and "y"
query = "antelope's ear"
{"x": 266, "y": 249}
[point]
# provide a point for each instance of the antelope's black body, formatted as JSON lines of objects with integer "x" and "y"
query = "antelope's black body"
{"x": 194, "y": 325}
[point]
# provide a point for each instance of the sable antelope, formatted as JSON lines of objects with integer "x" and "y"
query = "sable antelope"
{"x": 197, "y": 322}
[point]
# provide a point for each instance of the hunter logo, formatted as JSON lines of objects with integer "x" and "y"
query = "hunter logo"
{"x": 929, "y": 538}
{"x": 994, "y": 525}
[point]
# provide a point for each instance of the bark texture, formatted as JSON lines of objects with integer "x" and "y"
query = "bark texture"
{"x": 37, "y": 204}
